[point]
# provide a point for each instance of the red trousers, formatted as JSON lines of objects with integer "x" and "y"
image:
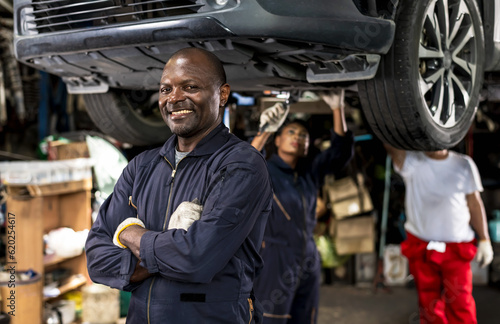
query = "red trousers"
{"x": 443, "y": 281}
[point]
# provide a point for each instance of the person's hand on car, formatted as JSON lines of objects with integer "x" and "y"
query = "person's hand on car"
{"x": 333, "y": 98}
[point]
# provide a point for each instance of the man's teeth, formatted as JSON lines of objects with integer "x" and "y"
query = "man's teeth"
{"x": 180, "y": 112}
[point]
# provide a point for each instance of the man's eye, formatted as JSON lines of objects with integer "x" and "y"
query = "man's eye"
{"x": 165, "y": 90}
{"x": 191, "y": 87}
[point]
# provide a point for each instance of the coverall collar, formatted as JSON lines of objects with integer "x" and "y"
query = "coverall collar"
{"x": 278, "y": 161}
{"x": 208, "y": 145}
{"x": 300, "y": 169}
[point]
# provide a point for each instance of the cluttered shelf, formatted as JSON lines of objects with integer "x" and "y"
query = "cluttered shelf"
{"x": 73, "y": 282}
{"x": 51, "y": 218}
{"x": 53, "y": 259}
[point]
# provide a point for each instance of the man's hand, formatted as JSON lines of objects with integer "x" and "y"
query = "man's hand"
{"x": 273, "y": 117}
{"x": 334, "y": 98}
{"x": 131, "y": 236}
{"x": 140, "y": 273}
{"x": 123, "y": 225}
{"x": 484, "y": 253}
{"x": 185, "y": 215}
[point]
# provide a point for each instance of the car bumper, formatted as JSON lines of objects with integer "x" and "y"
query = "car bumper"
{"x": 343, "y": 28}
{"x": 263, "y": 44}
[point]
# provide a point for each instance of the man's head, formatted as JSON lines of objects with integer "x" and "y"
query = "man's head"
{"x": 193, "y": 92}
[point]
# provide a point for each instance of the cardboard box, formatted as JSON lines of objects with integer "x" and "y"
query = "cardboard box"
{"x": 24, "y": 191}
{"x": 348, "y": 197}
{"x": 355, "y": 235}
{"x": 66, "y": 151}
{"x": 45, "y": 172}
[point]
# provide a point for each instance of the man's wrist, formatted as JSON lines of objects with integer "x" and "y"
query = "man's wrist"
{"x": 124, "y": 225}
{"x": 131, "y": 234}
{"x": 131, "y": 238}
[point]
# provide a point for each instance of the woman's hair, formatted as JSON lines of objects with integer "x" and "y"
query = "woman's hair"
{"x": 287, "y": 122}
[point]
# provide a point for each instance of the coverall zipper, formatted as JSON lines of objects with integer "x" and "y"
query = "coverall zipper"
{"x": 250, "y": 305}
{"x": 174, "y": 171}
{"x": 130, "y": 203}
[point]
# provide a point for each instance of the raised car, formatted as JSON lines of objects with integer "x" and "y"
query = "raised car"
{"x": 418, "y": 65}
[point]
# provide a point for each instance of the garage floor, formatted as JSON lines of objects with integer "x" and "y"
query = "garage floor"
{"x": 348, "y": 304}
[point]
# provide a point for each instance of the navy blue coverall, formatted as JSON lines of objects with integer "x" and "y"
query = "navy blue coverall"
{"x": 288, "y": 286}
{"x": 204, "y": 275}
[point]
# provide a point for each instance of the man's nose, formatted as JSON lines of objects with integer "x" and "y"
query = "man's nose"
{"x": 175, "y": 95}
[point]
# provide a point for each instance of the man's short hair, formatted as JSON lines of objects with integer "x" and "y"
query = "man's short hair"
{"x": 220, "y": 73}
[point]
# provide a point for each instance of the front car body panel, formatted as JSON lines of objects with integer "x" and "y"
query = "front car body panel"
{"x": 275, "y": 44}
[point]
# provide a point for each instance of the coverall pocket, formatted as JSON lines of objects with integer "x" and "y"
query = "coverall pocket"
{"x": 413, "y": 250}
{"x": 466, "y": 251}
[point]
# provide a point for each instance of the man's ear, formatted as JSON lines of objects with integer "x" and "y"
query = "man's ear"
{"x": 225, "y": 90}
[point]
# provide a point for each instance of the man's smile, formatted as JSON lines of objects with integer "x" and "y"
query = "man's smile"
{"x": 180, "y": 113}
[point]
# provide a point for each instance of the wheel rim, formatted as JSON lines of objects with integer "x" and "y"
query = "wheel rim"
{"x": 448, "y": 54}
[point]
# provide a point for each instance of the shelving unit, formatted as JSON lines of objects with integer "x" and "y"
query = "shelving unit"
{"x": 74, "y": 282}
{"x": 36, "y": 210}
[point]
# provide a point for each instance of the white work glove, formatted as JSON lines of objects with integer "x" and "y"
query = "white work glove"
{"x": 484, "y": 253}
{"x": 273, "y": 117}
{"x": 123, "y": 225}
{"x": 185, "y": 215}
{"x": 334, "y": 98}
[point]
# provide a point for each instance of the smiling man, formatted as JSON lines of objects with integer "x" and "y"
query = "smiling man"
{"x": 184, "y": 224}
{"x": 193, "y": 90}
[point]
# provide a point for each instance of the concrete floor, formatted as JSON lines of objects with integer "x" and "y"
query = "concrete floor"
{"x": 343, "y": 303}
{"x": 348, "y": 304}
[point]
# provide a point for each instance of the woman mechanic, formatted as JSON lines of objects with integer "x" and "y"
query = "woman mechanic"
{"x": 288, "y": 286}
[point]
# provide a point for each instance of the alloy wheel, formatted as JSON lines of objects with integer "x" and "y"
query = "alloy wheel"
{"x": 448, "y": 59}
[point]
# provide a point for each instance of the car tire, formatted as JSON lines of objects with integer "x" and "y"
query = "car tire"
{"x": 402, "y": 102}
{"x": 128, "y": 116}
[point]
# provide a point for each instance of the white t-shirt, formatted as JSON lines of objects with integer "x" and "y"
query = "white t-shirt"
{"x": 436, "y": 205}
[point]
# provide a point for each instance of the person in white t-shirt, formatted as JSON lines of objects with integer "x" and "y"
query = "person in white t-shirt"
{"x": 445, "y": 213}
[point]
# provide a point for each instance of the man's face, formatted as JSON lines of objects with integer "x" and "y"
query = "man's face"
{"x": 190, "y": 101}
